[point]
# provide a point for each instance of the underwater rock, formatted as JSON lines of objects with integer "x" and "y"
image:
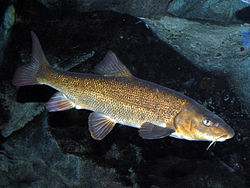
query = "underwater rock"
{"x": 7, "y": 23}
{"x": 15, "y": 115}
{"x": 217, "y": 49}
{"x": 9, "y": 18}
{"x": 32, "y": 158}
{"x": 219, "y": 11}
{"x": 149, "y": 8}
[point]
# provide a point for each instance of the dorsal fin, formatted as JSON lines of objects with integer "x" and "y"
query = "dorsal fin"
{"x": 112, "y": 66}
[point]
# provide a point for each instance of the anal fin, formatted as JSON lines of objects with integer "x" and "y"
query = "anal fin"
{"x": 100, "y": 125}
{"x": 59, "y": 102}
{"x": 151, "y": 131}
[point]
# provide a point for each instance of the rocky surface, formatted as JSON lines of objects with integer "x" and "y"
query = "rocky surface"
{"x": 8, "y": 21}
{"x": 217, "y": 11}
{"x": 217, "y": 49}
{"x": 32, "y": 158}
{"x": 56, "y": 150}
{"x": 15, "y": 114}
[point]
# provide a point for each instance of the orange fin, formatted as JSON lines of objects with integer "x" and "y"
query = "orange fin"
{"x": 151, "y": 131}
{"x": 112, "y": 66}
{"x": 28, "y": 74}
{"x": 100, "y": 125}
{"x": 59, "y": 102}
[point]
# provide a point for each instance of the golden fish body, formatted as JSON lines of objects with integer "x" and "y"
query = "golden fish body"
{"x": 126, "y": 100}
{"x": 116, "y": 96}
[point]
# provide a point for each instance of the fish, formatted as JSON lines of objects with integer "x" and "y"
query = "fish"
{"x": 116, "y": 96}
{"x": 246, "y": 1}
{"x": 246, "y": 38}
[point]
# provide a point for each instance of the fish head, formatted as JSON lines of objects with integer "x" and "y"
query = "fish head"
{"x": 197, "y": 123}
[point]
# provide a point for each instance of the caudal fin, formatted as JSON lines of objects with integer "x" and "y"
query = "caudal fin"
{"x": 29, "y": 74}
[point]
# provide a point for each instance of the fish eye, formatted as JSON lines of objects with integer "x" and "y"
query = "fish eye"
{"x": 206, "y": 122}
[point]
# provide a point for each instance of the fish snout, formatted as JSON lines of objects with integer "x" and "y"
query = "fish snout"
{"x": 229, "y": 133}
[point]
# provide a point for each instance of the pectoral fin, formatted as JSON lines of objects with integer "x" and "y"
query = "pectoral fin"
{"x": 59, "y": 102}
{"x": 151, "y": 131}
{"x": 100, "y": 125}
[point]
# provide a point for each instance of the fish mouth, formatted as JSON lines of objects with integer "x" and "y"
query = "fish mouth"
{"x": 222, "y": 138}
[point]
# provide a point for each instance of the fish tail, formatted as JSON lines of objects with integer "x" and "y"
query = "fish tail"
{"x": 31, "y": 73}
